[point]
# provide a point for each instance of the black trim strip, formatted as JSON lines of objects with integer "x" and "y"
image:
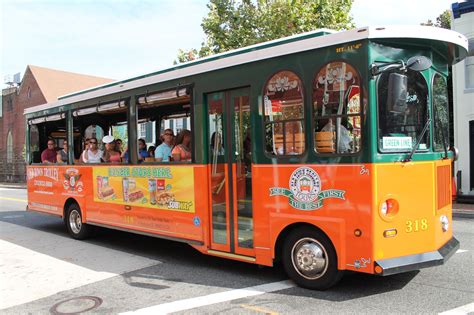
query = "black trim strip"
{"x": 393, "y": 266}
{"x": 229, "y": 148}
{"x": 43, "y": 212}
{"x": 177, "y": 239}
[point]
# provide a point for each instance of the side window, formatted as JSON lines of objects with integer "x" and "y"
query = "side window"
{"x": 34, "y": 144}
{"x": 104, "y": 133}
{"x": 337, "y": 109}
{"x": 47, "y": 139}
{"x": 164, "y": 126}
{"x": 283, "y": 110}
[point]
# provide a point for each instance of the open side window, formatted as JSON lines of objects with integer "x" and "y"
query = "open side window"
{"x": 284, "y": 114}
{"x": 337, "y": 109}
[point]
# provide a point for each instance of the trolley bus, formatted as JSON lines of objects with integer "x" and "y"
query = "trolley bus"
{"x": 327, "y": 151}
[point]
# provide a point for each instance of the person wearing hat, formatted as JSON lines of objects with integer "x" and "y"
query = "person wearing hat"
{"x": 92, "y": 154}
{"x": 111, "y": 155}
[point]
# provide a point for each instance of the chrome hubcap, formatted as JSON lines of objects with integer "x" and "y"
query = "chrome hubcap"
{"x": 309, "y": 258}
{"x": 75, "y": 221}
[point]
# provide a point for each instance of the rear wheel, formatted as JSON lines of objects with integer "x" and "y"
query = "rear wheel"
{"x": 309, "y": 258}
{"x": 74, "y": 225}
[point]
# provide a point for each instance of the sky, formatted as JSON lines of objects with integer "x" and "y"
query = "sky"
{"x": 120, "y": 39}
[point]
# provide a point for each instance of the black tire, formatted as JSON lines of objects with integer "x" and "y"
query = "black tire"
{"x": 310, "y": 260}
{"x": 74, "y": 225}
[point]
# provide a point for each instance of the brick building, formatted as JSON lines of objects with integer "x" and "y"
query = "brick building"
{"x": 38, "y": 86}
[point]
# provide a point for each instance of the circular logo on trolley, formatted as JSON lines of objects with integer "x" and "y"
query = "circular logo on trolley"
{"x": 305, "y": 184}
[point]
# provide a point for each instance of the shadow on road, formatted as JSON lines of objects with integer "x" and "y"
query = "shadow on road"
{"x": 178, "y": 262}
{"x": 357, "y": 285}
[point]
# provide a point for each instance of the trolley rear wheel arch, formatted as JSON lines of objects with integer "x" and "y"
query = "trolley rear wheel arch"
{"x": 68, "y": 202}
{"x": 308, "y": 256}
{"x": 74, "y": 221}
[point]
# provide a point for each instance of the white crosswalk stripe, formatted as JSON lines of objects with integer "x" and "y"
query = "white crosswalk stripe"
{"x": 187, "y": 304}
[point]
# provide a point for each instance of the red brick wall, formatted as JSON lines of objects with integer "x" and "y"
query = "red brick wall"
{"x": 14, "y": 121}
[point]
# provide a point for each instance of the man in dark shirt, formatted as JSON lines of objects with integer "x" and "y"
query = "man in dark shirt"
{"x": 142, "y": 151}
{"x": 49, "y": 154}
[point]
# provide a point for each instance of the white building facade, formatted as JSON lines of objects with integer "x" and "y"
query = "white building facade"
{"x": 463, "y": 98}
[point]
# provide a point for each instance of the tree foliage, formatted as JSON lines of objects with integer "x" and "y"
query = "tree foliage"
{"x": 443, "y": 20}
{"x": 232, "y": 24}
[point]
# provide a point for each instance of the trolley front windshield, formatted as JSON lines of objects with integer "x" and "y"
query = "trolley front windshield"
{"x": 400, "y": 127}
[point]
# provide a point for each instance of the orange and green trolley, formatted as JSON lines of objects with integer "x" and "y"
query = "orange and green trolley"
{"x": 327, "y": 151}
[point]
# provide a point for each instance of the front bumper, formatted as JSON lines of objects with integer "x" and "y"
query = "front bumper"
{"x": 414, "y": 262}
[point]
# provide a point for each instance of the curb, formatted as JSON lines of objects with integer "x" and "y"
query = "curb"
{"x": 12, "y": 186}
{"x": 465, "y": 214}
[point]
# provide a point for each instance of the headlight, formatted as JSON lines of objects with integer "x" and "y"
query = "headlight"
{"x": 384, "y": 208}
{"x": 389, "y": 208}
{"x": 444, "y": 223}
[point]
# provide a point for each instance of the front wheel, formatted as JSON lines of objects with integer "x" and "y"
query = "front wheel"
{"x": 74, "y": 225}
{"x": 309, "y": 259}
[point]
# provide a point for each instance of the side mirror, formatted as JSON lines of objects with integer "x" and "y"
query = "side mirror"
{"x": 397, "y": 93}
{"x": 419, "y": 63}
{"x": 455, "y": 153}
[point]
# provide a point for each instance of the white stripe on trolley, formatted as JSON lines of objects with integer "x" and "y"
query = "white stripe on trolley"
{"x": 465, "y": 309}
{"x": 186, "y": 304}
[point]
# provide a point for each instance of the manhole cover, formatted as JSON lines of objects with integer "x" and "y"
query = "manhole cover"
{"x": 76, "y": 305}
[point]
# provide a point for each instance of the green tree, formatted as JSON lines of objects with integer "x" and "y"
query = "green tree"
{"x": 443, "y": 20}
{"x": 232, "y": 24}
{"x": 120, "y": 132}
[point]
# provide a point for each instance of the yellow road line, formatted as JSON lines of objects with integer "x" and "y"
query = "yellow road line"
{"x": 258, "y": 309}
{"x": 13, "y": 199}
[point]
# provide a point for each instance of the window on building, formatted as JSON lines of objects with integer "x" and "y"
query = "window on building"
{"x": 337, "y": 109}
{"x": 176, "y": 123}
{"x": 469, "y": 72}
{"x": 9, "y": 147}
{"x": 28, "y": 93}
{"x": 284, "y": 113}
{"x": 142, "y": 130}
{"x": 94, "y": 131}
{"x": 469, "y": 65}
{"x": 9, "y": 104}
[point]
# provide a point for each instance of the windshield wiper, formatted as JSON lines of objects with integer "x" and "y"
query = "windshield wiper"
{"x": 409, "y": 157}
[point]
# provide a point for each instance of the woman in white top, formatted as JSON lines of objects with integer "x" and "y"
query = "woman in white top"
{"x": 92, "y": 154}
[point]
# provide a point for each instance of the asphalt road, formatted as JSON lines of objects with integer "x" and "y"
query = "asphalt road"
{"x": 44, "y": 271}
